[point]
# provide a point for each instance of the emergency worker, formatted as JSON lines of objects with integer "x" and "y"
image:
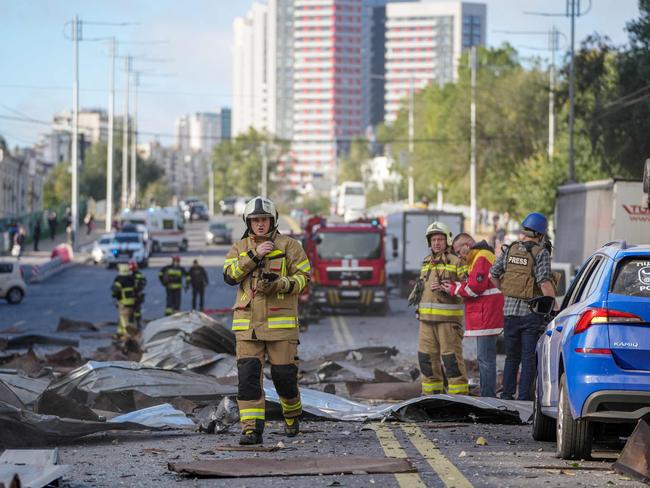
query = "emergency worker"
{"x": 270, "y": 270}
{"x": 523, "y": 271}
{"x": 440, "y": 340}
{"x": 124, "y": 292}
{"x": 140, "y": 284}
{"x": 171, "y": 277}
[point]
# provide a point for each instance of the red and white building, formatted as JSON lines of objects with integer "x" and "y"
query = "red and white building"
{"x": 327, "y": 76}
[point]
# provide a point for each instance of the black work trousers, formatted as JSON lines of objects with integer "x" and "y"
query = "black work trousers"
{"x": 173, "y": 301}
{"x": 198, "y": 292}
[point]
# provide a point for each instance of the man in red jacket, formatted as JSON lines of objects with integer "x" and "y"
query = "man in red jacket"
{"x": 483, "y": 306}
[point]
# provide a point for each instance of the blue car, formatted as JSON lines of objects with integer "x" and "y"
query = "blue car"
{"x": 593, "y": 362}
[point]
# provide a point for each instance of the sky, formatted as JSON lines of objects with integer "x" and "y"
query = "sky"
{"x": 190, "y": 70}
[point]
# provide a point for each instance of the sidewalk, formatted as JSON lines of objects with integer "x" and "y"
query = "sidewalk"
{"x": 45, "y": 246}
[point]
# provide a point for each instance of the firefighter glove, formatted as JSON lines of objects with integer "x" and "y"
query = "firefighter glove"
{"x": 278, "y": 285}
{"x": 416, "y": 293}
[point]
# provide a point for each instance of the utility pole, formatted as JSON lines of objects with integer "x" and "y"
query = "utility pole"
{"x": 573, "y": 7}
{"x": 553, "y": 45}
{"x": 472, "y": 162}
{"x": 125, "y": 137}
{"x": 76, "y": 36}
{"x": 134, "y": 143}
{"x": 411, "y": 183}
{"x": 210, "y": 188}
{"x": 110, "y": 150}
{"x": 265, "y": 176}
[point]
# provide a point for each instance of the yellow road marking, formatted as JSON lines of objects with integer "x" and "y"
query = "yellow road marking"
{"x": 346, "y": 331}
{"x": 444, "y": 468}
{"x": 337, "y": 333}
{"x": 392, "y": 448}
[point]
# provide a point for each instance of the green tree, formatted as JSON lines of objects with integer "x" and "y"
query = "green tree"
{"x": 350, "y": 168}
{"x": 57, "y": 187}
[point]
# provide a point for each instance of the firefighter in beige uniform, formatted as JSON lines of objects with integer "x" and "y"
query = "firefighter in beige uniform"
{"x": 270, "y": 270}
{"x": 441, "y": 318}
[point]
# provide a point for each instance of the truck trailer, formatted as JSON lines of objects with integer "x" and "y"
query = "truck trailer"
{"x": 588, "y": 215}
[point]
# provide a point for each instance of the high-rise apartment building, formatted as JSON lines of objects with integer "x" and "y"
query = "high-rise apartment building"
{"x": 201, "y": 131}
{"x": 328, "y": 77}
{"x": 250, "y": 106}
{"x": 424, "y": 43}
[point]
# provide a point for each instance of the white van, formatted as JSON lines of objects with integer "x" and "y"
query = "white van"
{"x": 351, "y": 197}
{"x": 165, "y": 226}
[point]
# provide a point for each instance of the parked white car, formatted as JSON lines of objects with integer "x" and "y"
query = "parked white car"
{"x": 12, "y": 285}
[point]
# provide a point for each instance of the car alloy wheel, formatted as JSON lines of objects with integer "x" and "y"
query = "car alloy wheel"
{"x": 574, "y": 437}
{"x": 15, "y": 296}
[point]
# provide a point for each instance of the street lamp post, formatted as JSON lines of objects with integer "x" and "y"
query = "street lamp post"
{"x": 110, "y": 150}
{"x": 74, "y": 210}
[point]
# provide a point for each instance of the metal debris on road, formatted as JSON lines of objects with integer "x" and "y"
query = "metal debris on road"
{"x": 26, "y": 388}
{"x": 162, "y": 416}
{"x": 35, "y": 468}
{"x": 112, "y": 386}
{"x": 348, "y": 365}
{"x": 634, "y": 460}
{"x": 71, "y": 325}
{"x": 216, "y": 419}
{"x": 7, "y": 395}
{"x": 28, "y": 340}
{"x": 256, "y": 448}
{"x": 295, "y": 466}
{"x": 398, "y": 390}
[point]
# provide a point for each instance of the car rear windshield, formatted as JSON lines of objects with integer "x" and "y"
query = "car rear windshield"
{"x": 633, "y": 277}
{"x": 132, "y": 238}
{"x": 349, "y": 245}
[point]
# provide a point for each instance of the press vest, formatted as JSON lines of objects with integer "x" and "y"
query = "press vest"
{"x": 257, "y": 315}
{"x": 518, "y": 280}
{"x": 437, "y": 306}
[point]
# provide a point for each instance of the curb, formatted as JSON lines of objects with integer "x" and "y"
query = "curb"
{"x": 41, "y": 272}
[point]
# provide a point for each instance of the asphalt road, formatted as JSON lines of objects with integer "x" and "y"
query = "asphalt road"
{"x": 443, "y": 455}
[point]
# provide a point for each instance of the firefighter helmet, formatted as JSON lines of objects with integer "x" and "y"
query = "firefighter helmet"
{"x": 176, "y": 259}
{"x": 438, "y": 228}
{"x": 133, "y": 265}
{"x": 260, "y": 207}
{"x": 123, "y": 269}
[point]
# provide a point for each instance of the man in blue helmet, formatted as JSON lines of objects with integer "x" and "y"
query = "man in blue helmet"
{"x": 523, "y": 271}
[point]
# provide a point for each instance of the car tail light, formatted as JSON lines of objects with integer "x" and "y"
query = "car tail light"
{"x": 592, "y": 350}
{"x": 594, "y": 316}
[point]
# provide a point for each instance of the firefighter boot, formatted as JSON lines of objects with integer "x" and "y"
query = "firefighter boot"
{"x": 252, "y": 436}
{"x": 291, "y": 427}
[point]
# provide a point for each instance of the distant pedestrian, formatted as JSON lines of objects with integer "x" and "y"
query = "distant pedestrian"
{"x": 199, "y": 280}
{"x": 67, "y": 220}
{"x": 483, "y": 306}
{"x": 19, "y": 241}
{"x": 36, "y": 233}
{"x": 89, "y": 220}
{"x": 51, "y": 223}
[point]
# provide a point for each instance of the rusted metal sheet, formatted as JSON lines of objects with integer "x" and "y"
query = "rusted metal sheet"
{"x": 384, "y": 391}
{"x": 634, "y": 460}
{"x": 295, "y": 466}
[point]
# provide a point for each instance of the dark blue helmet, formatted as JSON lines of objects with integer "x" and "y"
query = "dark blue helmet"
{"x": 535, "y": 222}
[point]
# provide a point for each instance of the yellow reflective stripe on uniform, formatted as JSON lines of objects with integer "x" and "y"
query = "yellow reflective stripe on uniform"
{"x": 440, "y": 311}
{"x": 240, "y": 324}
{"x": 461, "y": 389}
{"x": 290, "y": 407}
{"x": 428, "y": 388}
{"x": 244, "y": 253}
{"x": 236, "y": 271}
{"x": 275, "y": 252}
{"x": 282, "y": 322}
{"x": 444, "y": 306}
{"x": 251, "y": 413}
{"x": 302, "y": 281}
{"x": 304, "y": 266}
{"x": 175, "y": 272}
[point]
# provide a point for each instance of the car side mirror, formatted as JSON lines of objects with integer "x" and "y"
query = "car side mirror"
{"x": 543, "y": 306}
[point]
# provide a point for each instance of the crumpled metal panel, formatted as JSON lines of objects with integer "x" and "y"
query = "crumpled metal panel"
{"x": 162, "y": 416}
{"x": 111, "y": 385}
{"x": 185, "y": 340}
{"x": 634, "y": 460}
{"x": 26, "y": 388}
{"x": 34, "y": 467}
{"x": 433, "y": 407}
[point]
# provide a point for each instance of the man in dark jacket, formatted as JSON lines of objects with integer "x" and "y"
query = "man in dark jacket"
{"x": 199, "y": 280}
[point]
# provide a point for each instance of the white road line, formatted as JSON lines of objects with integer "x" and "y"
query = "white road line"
{"x": 346, "y": 331}
{"x": 335, "y": 328}
{"x": 20, "y": 322}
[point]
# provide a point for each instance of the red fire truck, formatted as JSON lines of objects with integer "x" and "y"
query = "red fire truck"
{"x": 348, "y": 263}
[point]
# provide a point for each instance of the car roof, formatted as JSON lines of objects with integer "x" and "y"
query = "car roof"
{"x": 618, "y": 250}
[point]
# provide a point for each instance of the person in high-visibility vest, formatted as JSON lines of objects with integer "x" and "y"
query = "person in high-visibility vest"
{"x": 171, "y": 277}
{"x": 270, "y": 270}
{"x": 124, "y": 293}
{"x": 140, "y": 283}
